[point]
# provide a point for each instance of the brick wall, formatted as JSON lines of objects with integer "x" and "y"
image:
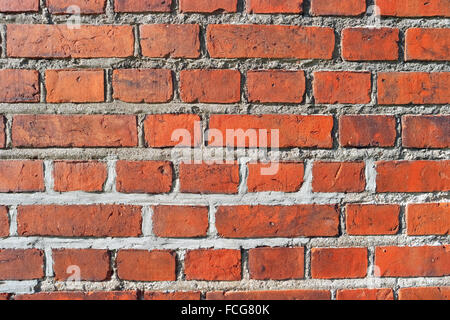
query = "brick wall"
{"x": 337, "y": 178}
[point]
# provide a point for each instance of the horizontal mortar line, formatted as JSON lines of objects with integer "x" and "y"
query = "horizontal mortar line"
{"x": 151, "y": 243}
{"x": 262, "y": 198}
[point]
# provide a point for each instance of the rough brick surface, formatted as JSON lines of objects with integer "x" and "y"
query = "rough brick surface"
{"x": 338, "y": 8}
{"x": 427, "y": 44}
{"x": 180, "y": 221}
{"x": 19, "y": 85}
{"x": 85, "y": 7}
{"x": 424, "y": 293}
{"x": 141, "y": 265}
{"x": 428, "y": 219}
{"x": 338, "y": 263}
{"x": 142, "y": 5}
{"x": 426, "y": 131}
{"x": 12, "y": 6}
{"x": 338, "y": 177}
{"x": 365, "y": 294}
{"x": 367, "y": 131}
{"x": 21, "y": 264}
{"x": 76, "y": 295}
{"x": 372, "y": 219}
{"x": 208, "y": 6}
{"x": 4, "y": 222}
{"x": 414, "y": 8}
{"x": 187, "y": 295}
{"x": 21, "y": 176}
{"x": 285, "y": 177}
{"x": 275, "y": 6}
{"x": 271, "y": 295}
{"x": 79, "y": 221}
{"x": 213, "y": 265}
{"x": 89, "y": 176}
{"x": 276, "y": 263}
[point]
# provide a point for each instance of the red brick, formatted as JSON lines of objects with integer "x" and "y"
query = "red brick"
{"x": 424, "y": 293}
{"x": 179, "y": 295}
{"x": 93, "y": 265}
{"x": 277, "y": 221}
{"x": 285, "y": 177}
{"x": 426, "y": 131}
{"x": 339, "y": 177}
{"x": 144, "y": 176}
{"x": 427, "y": 44}
{"x": 270, "y": 295}
{"x": 141, "y": 265}
{"x": 338, "y": 7}
{"x": 370, "y": 44}
{"x": 365, "y": 294}
{"x": 210, "y": 86}
{"x": 89, "y": 176}
{"x": 428, "y": 219}
{"x": 369, "y": 219}
{"x": 79, "y": 221}
{"x": 275, "y": 6}
{"x": 414, "y": 8}
{"x": 76, "y": 295}
{"x": 59, "y": 41}
{"x": 276, "y": 86}
{"x": 213, "y": 265}
{"x": 45, "y": 131}
{"x": 143, "y": 85}
{"x": 263, "y": 131}
{"x": 180, "y": 221}
{"x": 170, "y": 130}
{"x": 142, "y": 5}
{"x": 85, "y": 6}
{"x": 19, "y": 86}
{"x": 413, "y": 88}
{"x": 367, "y": 131}
{"x": 338, "y": 263}
{"x": 76, "y": 86}
{"x": 5, "y": 296}
{"x": 276, "y": 263}
{"x": 342, "y": 87}
{"x": 170, "y": 40}
{"x": 2, "y": 132}
{"x": 426, "y": 261}
{"x": 208, "y": 6}
{"x": 21, "y": 176}
{"x": 4, "y": 222}
{"x": 209, "y": 178}
{"x": 19, "y": 6}
{"x": 270, "y": 41}
{"x": 413, "y": 176}
{"x": 18, "y": 264}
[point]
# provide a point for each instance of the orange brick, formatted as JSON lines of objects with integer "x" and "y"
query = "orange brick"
{"x": 141, "y": 265}
{"x": 89, "y": 176}
{"x": 372, "y": 219}
{"x": 213, "y": 265}
{"x": 338, "y": 263}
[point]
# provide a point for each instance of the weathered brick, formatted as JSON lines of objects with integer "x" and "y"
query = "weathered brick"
{"x": 413, "y": 176}
{"x": 77, "y": 295}
{"x": 366, "y": 219}
{"x": 365, "y": 294}
{"x": 270, "y": 295}
{"x": 208, "y": 6}
{"x": 370, "y": 44}
{"x": 277, "y": 221}
{"x": 427, "y": 44}
{"x": 141, "y": 265}
{"x": 19, "y": 85}
{"x": 276, "y": 86}
{"x": 90, "y": 265}
{"x": 424, "y": 293}
{"x": 142, "y": 85}
{"x": 21, "y": 176}
{"x": 426, "y": 131}
{"x": 276, "y": 263}
{"x": 144, "y": 176}
{"x": 283, "y": 176}
{"x": 338, "y": 263}
{"x": 2, "y": 132}
{"x": 79, "y": 220}
{"x": 332, "y": 87}
{"x": 76, "y": 86}
{"x": 4, "y": 222}
{"x": 275, "y": 6}
{"x": 142, "y": 5}
{"x": 413, "y": 88}
{"x": 11, "y": 6}
{"x": 179, "y": 295}
{"x": 338, "y": 8}
{"x": 414, "y": 8}
{"x": 270, "y": 41}
{"x": 428, "y": 219}
{"x": 180, "y": 221}
{"x": 59, "y": 41}
{"x": 89, "y": 176}
{"x": 338, "y": 177}
{"x": 169, "y": 130}
{"x": 425, "y": 261}
{"x": 210, "y": 86}
{"x": 209, "y": 178}
{"x": 85, "y": 6}
{"x": 272, "y": 131}
{"x": 367, "y": 131}
{"x": 21, "y": 264}
{"x": 213, "y": 265}
{"x": 45, "y": 131}
{"x": 170, "y": 40}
